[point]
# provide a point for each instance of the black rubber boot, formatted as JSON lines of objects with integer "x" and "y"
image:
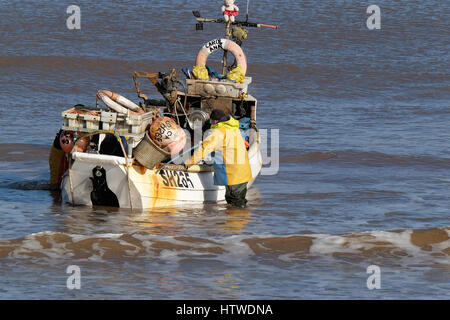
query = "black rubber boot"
{"x": 235, "y": 195}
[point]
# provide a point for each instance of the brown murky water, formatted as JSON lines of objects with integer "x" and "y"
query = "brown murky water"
{"x": 364, "y": 169}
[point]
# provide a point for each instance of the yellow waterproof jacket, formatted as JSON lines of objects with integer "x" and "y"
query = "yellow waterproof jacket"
{"x": 231, "y": 165}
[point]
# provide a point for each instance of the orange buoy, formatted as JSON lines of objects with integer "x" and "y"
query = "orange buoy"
{"x": 178, "y": 144}
{"x": 83, "y": 144}
{"x": 66, "y": 141}
{"x": 164, "y": 131}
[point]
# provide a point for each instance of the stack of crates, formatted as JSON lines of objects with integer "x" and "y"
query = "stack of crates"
{"x": 89, "y": 120}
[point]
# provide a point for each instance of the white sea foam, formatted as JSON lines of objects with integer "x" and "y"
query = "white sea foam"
{"x": 170, "y": 255}
{"x": 231, "y": 248}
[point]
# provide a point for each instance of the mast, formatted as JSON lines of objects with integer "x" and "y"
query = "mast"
{"x": 246, "y": 23}
{"x": 225, "y": 52}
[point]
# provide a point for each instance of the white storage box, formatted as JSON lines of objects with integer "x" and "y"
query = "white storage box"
{"x": 132, "y": 124}
{"x": 224, "y": 88}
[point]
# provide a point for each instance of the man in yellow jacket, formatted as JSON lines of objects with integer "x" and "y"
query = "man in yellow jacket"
{"x": 231, "y": 165}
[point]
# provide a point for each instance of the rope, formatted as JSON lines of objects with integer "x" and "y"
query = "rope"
{"x": 70, "y": 180}
{"x": 183, "y": 106}
{"x": 185, "y": 97}
{"x": 176, "y": 113}
{"x": 177, "y": 157}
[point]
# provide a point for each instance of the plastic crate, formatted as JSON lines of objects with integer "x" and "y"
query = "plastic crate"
{"x": 81, "y": 120}
{"x": 224, "y": 88}
{"x": 93, "y": 120}
{"x": 133, "y": 124}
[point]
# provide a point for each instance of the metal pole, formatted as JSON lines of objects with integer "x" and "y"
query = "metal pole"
{"x": 246, "y": 16}
{"x": 225, "y": 52}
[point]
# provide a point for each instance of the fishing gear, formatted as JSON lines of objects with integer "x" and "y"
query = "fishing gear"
{"x": 177, "y": 157}
{"x": 246, "y": 23}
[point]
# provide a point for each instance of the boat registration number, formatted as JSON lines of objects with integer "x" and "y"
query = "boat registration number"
{"x": 177, "y": 179}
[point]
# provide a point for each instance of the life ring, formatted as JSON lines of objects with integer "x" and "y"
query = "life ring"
{"x": 84, "y": 111}
{"x": 118, "y": 103}
{"x": 225, "y": 44}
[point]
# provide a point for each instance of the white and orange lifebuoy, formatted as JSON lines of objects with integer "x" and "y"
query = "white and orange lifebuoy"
{"x": 225, "y": 44}
{"x": 118, "y": 103}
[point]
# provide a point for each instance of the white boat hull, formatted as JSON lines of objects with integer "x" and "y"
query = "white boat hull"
{"x": 140, "y": 188}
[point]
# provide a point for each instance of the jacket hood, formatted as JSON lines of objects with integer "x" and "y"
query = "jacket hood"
{"x": 229, "y": 124}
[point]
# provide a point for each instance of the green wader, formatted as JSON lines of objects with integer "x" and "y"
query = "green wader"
{"x": 235, "y": 195}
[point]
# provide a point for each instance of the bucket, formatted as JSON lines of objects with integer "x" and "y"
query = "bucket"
{"x": 148, "y": 153}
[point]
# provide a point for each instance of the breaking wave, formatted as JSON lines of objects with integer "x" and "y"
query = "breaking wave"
{"x": 431, "y": 244}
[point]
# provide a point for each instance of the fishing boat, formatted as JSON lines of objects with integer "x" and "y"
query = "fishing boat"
{"x": 147, "y": 173}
